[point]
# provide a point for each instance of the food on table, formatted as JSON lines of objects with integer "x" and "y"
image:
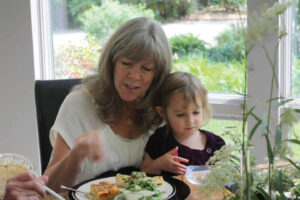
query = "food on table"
{"x": 12, "y": 165}
{"x": 122, "y": 180}
{"x": 138, "y": 181}
{"x": 104, "y": 191}
{"x": 158, "y": 180}
{"x": 137, "y": 175}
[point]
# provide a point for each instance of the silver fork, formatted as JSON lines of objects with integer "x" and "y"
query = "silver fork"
{"x": 86, "y": 194}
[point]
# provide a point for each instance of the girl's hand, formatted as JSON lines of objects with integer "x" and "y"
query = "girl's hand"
{"x": 25, "y": 186}
{"x": 170, "y": 161}
{"x": 89, "y": 145}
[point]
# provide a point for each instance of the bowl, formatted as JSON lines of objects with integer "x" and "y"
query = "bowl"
{"x": 12, "y": 165}
{"x": 196, "y": 173}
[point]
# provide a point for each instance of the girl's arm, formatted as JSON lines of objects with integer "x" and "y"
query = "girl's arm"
{"x": 166, "y": 162}
{"x": 65, "y": 164}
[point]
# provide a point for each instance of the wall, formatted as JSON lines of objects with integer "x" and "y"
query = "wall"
{"x": 18, "y": 133}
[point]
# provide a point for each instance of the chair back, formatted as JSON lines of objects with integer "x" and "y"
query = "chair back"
{"x": 49, "y": 95}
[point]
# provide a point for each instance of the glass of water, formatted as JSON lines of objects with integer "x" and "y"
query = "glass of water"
{"x": 196, "y": 173}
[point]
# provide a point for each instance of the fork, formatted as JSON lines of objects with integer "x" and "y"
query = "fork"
{"x": 87, "y": 194}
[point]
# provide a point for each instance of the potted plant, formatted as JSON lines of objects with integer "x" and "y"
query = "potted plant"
{"x": 240, "y": 170}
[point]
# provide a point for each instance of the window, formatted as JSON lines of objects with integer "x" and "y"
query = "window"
{"x": 75, "y": 48}
{"x": 206, "y": 43}
{"x": 295, "y": 46}
{"x": 219, "y": 72}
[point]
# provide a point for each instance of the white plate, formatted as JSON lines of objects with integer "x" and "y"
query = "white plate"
{"x": 166, "y": 187}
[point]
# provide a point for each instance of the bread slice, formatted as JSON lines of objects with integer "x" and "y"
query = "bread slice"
{"x": 104, "y": 191}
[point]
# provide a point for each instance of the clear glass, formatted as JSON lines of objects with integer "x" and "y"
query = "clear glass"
{"x": 12, "y": 165}
{"x": 209, "y": 46}
{"x": 196, "y": 173}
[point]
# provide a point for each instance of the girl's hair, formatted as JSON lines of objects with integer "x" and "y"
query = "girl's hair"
{"x": 190, "y": 86}
{"x": 136, "y": 39}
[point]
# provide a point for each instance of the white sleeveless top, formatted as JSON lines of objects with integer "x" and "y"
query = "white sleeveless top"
{"x": 78, "y": 114}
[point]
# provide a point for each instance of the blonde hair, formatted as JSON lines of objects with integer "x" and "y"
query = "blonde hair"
{"x": 136, "y": 39}
{"x": 188, "y": 85}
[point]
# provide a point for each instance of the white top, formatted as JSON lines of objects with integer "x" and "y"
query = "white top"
{"x": 78, "y": 114}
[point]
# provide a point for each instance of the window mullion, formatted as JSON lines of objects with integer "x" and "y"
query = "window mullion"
{"x": 42, "y": 35}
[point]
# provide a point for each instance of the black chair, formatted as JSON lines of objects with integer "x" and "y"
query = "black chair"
{"x": 49, "y": 95}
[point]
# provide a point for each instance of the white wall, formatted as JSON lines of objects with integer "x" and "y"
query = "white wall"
{"x": 18, "y": 133}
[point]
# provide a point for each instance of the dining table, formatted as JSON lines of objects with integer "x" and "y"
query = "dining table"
{"x": 195, "y": 192}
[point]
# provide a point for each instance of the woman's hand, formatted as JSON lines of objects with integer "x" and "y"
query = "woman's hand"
{"x": 65, "y": 166}
{"x": 89, "y": 145}
{"x": 170, "y": 161}
{"x": 25, "y": 186}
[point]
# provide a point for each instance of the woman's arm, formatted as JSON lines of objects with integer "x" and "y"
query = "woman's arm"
{"x": 166, "y": 162}
{"x": 65, "y": 164}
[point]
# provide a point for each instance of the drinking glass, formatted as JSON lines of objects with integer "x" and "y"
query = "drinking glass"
{"x": 196, "y": 173}
{"x": 12, "y": 165}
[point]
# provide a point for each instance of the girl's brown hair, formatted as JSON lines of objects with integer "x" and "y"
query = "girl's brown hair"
{"x": 190, "y": 86}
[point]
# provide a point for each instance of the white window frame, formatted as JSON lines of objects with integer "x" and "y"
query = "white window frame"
{"x": 42, "y": 42}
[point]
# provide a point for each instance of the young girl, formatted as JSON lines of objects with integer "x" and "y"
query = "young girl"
{"x": 183, "y": 104}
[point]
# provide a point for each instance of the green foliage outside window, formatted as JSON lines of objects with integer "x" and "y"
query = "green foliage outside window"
{"x": 74, "y": 8}
{"x": 229, "y": 5}
{"x": 166, "y": 9}
{"x": 102, "y": 21}
{"x": 187, "y": 44}
{"x": 216, "y": 76}
{"x": 295, "y": 78}
{"x": 230, "y": 46}
{"x": 75, "y": 60}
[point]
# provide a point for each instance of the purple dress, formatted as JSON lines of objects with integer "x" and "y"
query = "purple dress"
{"x": 162, "y": 141}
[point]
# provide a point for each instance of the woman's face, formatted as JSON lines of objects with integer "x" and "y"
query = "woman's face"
{"x": 132, "y": 79}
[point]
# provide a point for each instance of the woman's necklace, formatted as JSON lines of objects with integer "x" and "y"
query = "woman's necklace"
{"x": 129, "y": 122}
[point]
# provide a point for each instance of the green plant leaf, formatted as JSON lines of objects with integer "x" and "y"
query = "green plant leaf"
{"x": 255, "y": 117}
{"x": 273, "y": 99}
{"x": 278, "y": 138}
{"x": 292, "y": 141}
{"x": 263, "y": 193}
{"x": 269, "y": 148}
{"x": 281, "y": 103}
{"x": 264, "y": 124}
{"x": 293, "y": 163}
{"x": 297, "y": 110}
{"x": 254, "y": 129}
{"x": 248, "y": 113}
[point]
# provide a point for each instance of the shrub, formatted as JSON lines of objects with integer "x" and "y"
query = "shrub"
{"x": 229, "y": 5}
{"x": 74, "y": 8}
{"x": 230, "y": 46}
{"x": 187, "y": 44}
{"x": 102, "y": 21}
{"x": 167, "y": 9}
{"x": 76, "y": 60}
{"x": 230, "y": 80}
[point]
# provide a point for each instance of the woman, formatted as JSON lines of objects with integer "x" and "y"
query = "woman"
{"x": 104, "y": 124}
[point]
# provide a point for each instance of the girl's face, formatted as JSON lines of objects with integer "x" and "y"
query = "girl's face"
{"x": 133, "y": 79}
{"x": 184, "y": 117}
